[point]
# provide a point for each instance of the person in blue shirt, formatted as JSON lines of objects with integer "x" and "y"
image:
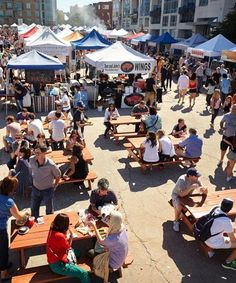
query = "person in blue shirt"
{"x": 7, "y": 208}
{"x": 225, "y": 87}
{"x": 192, "y": 145}
{"x": 153, "y": 122}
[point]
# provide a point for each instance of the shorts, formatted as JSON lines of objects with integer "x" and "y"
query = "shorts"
{"x": 193, "y": 90}
{"x": 175, "y": 200}
{"x": 231, "y": 155}
{"x": 222, "y": 243}
{"x": 149, "y": 95}
{"x": 8, "y": 139}
{"x": 223, "y": 145}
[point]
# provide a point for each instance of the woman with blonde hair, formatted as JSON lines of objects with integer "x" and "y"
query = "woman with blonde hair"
{"x": 215, "y": 106}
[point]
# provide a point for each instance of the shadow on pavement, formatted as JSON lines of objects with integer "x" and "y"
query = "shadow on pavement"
{"x": 219, "y": 180}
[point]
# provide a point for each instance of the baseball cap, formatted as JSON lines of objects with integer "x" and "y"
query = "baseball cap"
{"x": 193, "y": 172}
{"x": 80, "y": 104}
{"x": 226, "y": 204}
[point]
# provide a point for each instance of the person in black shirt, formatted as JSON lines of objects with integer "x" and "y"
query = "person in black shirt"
{"x": 164, "y": 73}
{"x": 79, "y": 118}
{"x": 19, "y": 93}
{"x": 101, "y": 196}
{"x": 179, "y": 129}
{"x": 216, "y": 76}
{"x": 150, "y": 90}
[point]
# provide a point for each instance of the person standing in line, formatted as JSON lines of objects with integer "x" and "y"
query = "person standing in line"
{"x": 200, "y": 75}
{"x": 183, "y": 84}
{"x": 210, "y": 86}
{"x": 170, "y": 70}
{"x": 46, "y": 177}
{"x": 225, "y": 86}
{"x": 192, "y": 89}
{"x": 150, "y": 90}
{"x": 215, "y": 106}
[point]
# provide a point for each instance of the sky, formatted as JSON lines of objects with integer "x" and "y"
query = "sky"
{"x": 65, "y": 4}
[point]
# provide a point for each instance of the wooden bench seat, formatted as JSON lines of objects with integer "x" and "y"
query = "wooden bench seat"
{"x": 90, "y": 178}
{"x": 43, "y": 274}
{"x": 127, "y": 135}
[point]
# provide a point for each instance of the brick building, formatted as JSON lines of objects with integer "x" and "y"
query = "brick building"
{"x": 104, "y": 12}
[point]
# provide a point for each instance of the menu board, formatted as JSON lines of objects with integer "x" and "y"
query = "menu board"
{"x": 39, "y": 76}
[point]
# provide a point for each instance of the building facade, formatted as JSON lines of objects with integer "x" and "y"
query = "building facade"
{"x": 103, "y": 10}
{"x": 181, "y": 18}
{"x": 28, "y": 11}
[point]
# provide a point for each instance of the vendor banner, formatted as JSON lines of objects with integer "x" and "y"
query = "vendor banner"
{"x": 127, "y": 67}
{"x": 39, "y": 76}
{"x": 52, "y": 50}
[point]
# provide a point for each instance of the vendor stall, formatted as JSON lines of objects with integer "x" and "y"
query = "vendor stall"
{"x": 193, "y": 41}
{"x": 229, "y": 55}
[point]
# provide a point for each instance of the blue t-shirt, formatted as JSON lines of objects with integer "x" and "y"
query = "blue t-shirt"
{"x": 193, "y": 146}
{"x": 6, "y": 203}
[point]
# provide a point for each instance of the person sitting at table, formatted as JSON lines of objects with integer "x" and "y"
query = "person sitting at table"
{"x": 73, "y": 139}
{"x": 220, "y": 227}
{"x": 51, "y": 115}
{"x": 57, "y": 247}
{"x": 149, "y": 149}
{"x": 184, "y": 186}
{"x": 114, "y": 248}
{"x": 80, "y": 118}
{"x": 22, "y": 170}
{"x": 7, "y": 208}
{"x": 139, "y": 110}
{"x": 57, "y": 130}
{"x": 101, "y": 196}
{"x": 111, "y": 113}
{"x": 35, "y": 127}
{"x": 12, "y": 129}
{"x": 191, "y": 147}
{"x": 153, "y": 122}
{"x": 23, "y": 116}
{"x": 41, "y": 141}
{"x": 78, "y": 167}
{"x": 179, "y": 129}
{"x": 166, "y": 147}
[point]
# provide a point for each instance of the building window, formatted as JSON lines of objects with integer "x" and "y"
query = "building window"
{"x": 9, "y": 13}
{"x": 173, "y": 20}
{"x": 27, "y": 5}
{"x": 19, "y": 13}
{"x": 9, "y": 5}
{"x": 165, "y": 21}
{"x": 28, "y": 13}
{"x": 203, "y": 2}
{"x": 36, "y": 14}
{"x": 1, "y": 13}
{"x": 36, "y": 5}
{"x": 19, "y": 6}
{"x": 144, "y": 7}
{"x": 146, "y": 22}
{"x": 170, "y": 6}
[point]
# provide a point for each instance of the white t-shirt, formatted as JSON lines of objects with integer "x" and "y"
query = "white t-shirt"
{"x": 222, "y": 225}
{"x": 57, "y": 127}
{"x": 1, "y": 72}
{"x": 150, "y": 153}
{"x": 36, "y": 127}
{"x": 51, "y": 115}
{"x": 183, "y": 82}
{"x": 166, "y": 146}
{"x": 65, "y": 102}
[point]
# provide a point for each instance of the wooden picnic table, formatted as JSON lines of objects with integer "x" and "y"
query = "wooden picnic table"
{"x": 37, "y": 235}
{"x": 124, "y": 120}
{"x": 63, "y": 156}
{"x": 197, "y": 205}
{"x": 46, "y": 125}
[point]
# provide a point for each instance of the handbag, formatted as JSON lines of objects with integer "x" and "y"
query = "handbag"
{"x": 71, "y": 258}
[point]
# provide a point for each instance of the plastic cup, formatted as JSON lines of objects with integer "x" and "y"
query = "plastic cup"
{"x": 31, "y": 221}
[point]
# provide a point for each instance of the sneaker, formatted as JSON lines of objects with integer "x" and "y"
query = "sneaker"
{"x": 176, "y": 226}
{"x": 228, "y": 179}
{"x": 231, "y": 265}
{"x": 219, "y": 164}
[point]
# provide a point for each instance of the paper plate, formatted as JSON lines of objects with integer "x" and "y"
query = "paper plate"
{"x": 23, "y": 230}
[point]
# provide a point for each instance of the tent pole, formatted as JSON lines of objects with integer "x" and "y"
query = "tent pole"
{"x": 95, "y": 89}
{"x": 7, "y": 86}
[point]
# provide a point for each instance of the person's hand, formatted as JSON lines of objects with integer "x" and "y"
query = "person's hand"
{"x": 92, "y": 223}
{"x": 27, "y": 212}
{"x": 55, "y": 187}
{"x": 204, "y": 191}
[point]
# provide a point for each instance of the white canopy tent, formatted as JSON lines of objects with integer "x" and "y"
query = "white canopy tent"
{"x": 65, "y": 32}
{"x": 119, "y": 58}
{"x": 50, "y": 44}
{"x": 118, "y": 33}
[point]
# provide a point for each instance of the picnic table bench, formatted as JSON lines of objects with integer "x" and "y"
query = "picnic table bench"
{"x": 133, "y": 147}
{"x": 197, "y": 205}
{"x": 63, "y": 156}
{"x": 124, "y": 120}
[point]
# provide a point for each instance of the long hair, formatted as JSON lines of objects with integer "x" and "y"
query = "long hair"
{"x": 152, "y": 138}
{"x": 60, "y": 223}
{"x": 76, "y": 150}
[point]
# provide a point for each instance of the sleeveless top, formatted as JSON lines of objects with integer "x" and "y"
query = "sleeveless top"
{"x": 192, "y": 84}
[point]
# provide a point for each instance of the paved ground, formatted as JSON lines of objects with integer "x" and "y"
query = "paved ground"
{"x": 160, "y": 255}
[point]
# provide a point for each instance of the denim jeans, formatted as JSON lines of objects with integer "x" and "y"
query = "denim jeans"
{"x": 19, "y": 104}
{"x": 4, "y": 249}
{"x": 37, "y": 197}
{"x": 199, "y": 83}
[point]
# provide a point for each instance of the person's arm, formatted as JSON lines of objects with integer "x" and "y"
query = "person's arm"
{"x": 232, "y": 237}
{"x": 7, "y": 131}
{"x": 18, "y": 214}
{"x": 56, "y": 182}
{"x": 228, "y": 142}
{"x": 95, "y": 209}
{"x": 71, "y": 170}
{"x": 99, "y": 238}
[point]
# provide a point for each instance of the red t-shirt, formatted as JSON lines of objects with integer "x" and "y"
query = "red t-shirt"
{"x": 56, "y": 247}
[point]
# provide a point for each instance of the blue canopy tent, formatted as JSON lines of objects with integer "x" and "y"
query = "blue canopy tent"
{"x": 212, "y": 47}
{"x": 142, "y": 38}
{"x": 192, "y": 41}
{"x": 33, "y": 60}
{"x": 91, "y": 41}
{"x": 165, "y": 38}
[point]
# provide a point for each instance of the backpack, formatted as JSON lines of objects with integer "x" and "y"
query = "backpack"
{"x": 202, "y": 227}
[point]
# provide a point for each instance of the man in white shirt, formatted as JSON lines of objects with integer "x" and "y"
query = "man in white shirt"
{"x": 57, "y": 129}
{"x": 183, "y": 84}
{"x": 221, "y": 226}
{"x": 51, "y": 115}
{"x": 34, "y": 128}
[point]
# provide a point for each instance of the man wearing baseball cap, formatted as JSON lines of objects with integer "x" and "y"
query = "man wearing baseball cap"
{"x": 184, "y": 186}
{"x": 79, "y": 118}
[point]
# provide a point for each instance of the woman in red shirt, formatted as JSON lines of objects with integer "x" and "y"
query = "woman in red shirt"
{"x": 192, "y": 89}
{"x": 57, "y": 247}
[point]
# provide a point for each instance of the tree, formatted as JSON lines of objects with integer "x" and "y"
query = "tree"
{"x": 60, "y": 17}
{"x": 227, "y": 27}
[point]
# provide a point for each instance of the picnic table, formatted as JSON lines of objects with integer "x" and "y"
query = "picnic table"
{"x": 37, "y": 235}
{"x": 124, "y": 120}
{"x": 63, "y": 156}
{"x": 197, "y": 205}
{"x": 46, "y": 125}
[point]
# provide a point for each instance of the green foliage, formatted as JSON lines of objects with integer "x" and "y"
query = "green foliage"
{"x": 228, "y": 26}
{"x": 60, "y": 17}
